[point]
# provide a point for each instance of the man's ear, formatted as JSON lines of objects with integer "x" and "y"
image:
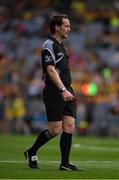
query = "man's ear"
{"x": 57, "y": 27}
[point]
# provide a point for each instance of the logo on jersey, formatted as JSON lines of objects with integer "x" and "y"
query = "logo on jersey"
{"x": 58, "y": 71}
{"x": 48, "y": 58}
{"x": 60, "y": 56}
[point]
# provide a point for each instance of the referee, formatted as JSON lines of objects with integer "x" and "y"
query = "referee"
{"x": 58, "y": 94}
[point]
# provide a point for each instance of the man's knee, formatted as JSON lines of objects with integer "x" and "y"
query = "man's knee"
{"x": 69, "y": 124}
{"x": 55, "y": 131}
{"x": 55, "y": 128}
{"x": 69, "y": 128}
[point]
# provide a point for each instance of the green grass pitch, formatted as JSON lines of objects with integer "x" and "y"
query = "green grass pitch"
{"x": 99, "y": 156}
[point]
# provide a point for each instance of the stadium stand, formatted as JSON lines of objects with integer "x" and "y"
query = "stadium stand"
{"x": 93, "y": 47}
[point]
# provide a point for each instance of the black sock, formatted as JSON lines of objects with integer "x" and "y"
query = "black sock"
{"x": 65, "y": 146}
{"x": 42, "y": 139}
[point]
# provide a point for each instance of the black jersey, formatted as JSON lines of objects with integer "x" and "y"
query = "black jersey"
{"x": 53, "y": 53}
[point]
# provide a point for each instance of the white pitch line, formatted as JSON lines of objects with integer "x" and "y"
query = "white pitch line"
{"x": 95, "y": 148}
{"x": 55, "y": 162}
{"x": 90, "y": 163}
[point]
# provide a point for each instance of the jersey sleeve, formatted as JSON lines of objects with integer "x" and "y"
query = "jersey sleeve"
{"x": 48, "y": 54}
{"x": 47, "y": 57}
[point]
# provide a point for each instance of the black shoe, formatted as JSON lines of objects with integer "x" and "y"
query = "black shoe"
{"x": 70, "y": 167}
{"x": 32, "y": 160}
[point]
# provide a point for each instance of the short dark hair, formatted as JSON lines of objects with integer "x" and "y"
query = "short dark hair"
{"x": 56, "y": 20}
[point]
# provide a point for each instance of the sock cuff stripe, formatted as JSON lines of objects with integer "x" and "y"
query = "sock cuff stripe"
{"x": 67, "y": 134}
{"x": 48, "y": 135}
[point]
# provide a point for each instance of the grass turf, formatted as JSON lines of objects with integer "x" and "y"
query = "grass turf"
{"x": 99, "y": 156}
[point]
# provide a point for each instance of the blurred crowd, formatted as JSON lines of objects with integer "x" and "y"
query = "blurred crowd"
{"x": 93, "y": 48}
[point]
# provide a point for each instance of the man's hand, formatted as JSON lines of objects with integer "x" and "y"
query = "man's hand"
{"x": 67, "y": 96}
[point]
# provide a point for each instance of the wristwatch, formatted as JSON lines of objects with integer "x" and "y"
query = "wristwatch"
{"x": 63, "y": 89}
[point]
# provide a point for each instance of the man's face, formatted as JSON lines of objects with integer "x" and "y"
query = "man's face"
{"x": 64, "y": 29}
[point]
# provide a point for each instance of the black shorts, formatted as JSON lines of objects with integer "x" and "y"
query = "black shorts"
{"x": 55, "y": 106}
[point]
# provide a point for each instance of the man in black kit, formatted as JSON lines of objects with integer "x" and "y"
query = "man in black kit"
{"x": 58, "y": 94}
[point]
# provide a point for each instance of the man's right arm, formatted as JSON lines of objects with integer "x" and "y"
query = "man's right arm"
{"x": 48, "y": 60}
{"x": 54, "y": 76}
